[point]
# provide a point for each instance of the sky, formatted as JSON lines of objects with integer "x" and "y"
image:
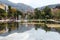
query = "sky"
{"x": 37, "y": 3}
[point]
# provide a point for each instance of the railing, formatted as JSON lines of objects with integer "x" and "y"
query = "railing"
{"x": 27, "y": 20}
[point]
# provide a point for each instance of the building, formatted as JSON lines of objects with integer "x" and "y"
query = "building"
{"x": 4, "y": 7}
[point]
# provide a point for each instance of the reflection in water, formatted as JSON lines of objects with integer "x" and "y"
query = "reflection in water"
{"x": 19, "y": 27}
{"x": 15, "y": 27}
{"x": 32, "y": 35}
{"x": 23, "y": 27}
{"x": 19, "y": 31}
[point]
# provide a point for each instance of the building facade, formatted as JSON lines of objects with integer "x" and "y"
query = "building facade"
{"x": 4, "y": 7}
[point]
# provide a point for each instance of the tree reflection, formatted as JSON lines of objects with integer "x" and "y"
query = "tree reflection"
{"x": 43, "y": 26}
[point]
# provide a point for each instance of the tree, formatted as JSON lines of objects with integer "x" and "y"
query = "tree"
{"x": 2, "y": 12}
{"x": 13, "y": 12}
{"x": 9, "y": 12}
{"x": 47, "y": 12}
{"x": 18, "y": 13}
{"x": 37, "y": 14}
{"x": 30, "y": 17}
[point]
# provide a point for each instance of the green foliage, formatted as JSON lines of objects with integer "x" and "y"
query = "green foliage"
{"x": 19, "y": 12}
{"x": 30, "y": 16}
{"x": 2, "y": 11}
{"x": 37, "y": 14}
{"x": 9, "y": 11}
{"x": 47, "y": 12}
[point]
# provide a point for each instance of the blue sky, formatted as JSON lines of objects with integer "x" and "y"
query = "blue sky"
{"x": 36, "y": 3}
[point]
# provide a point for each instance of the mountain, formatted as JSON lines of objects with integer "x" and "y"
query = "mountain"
{"x": 19, "y": 6}
{"x": 50, "y": 6}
